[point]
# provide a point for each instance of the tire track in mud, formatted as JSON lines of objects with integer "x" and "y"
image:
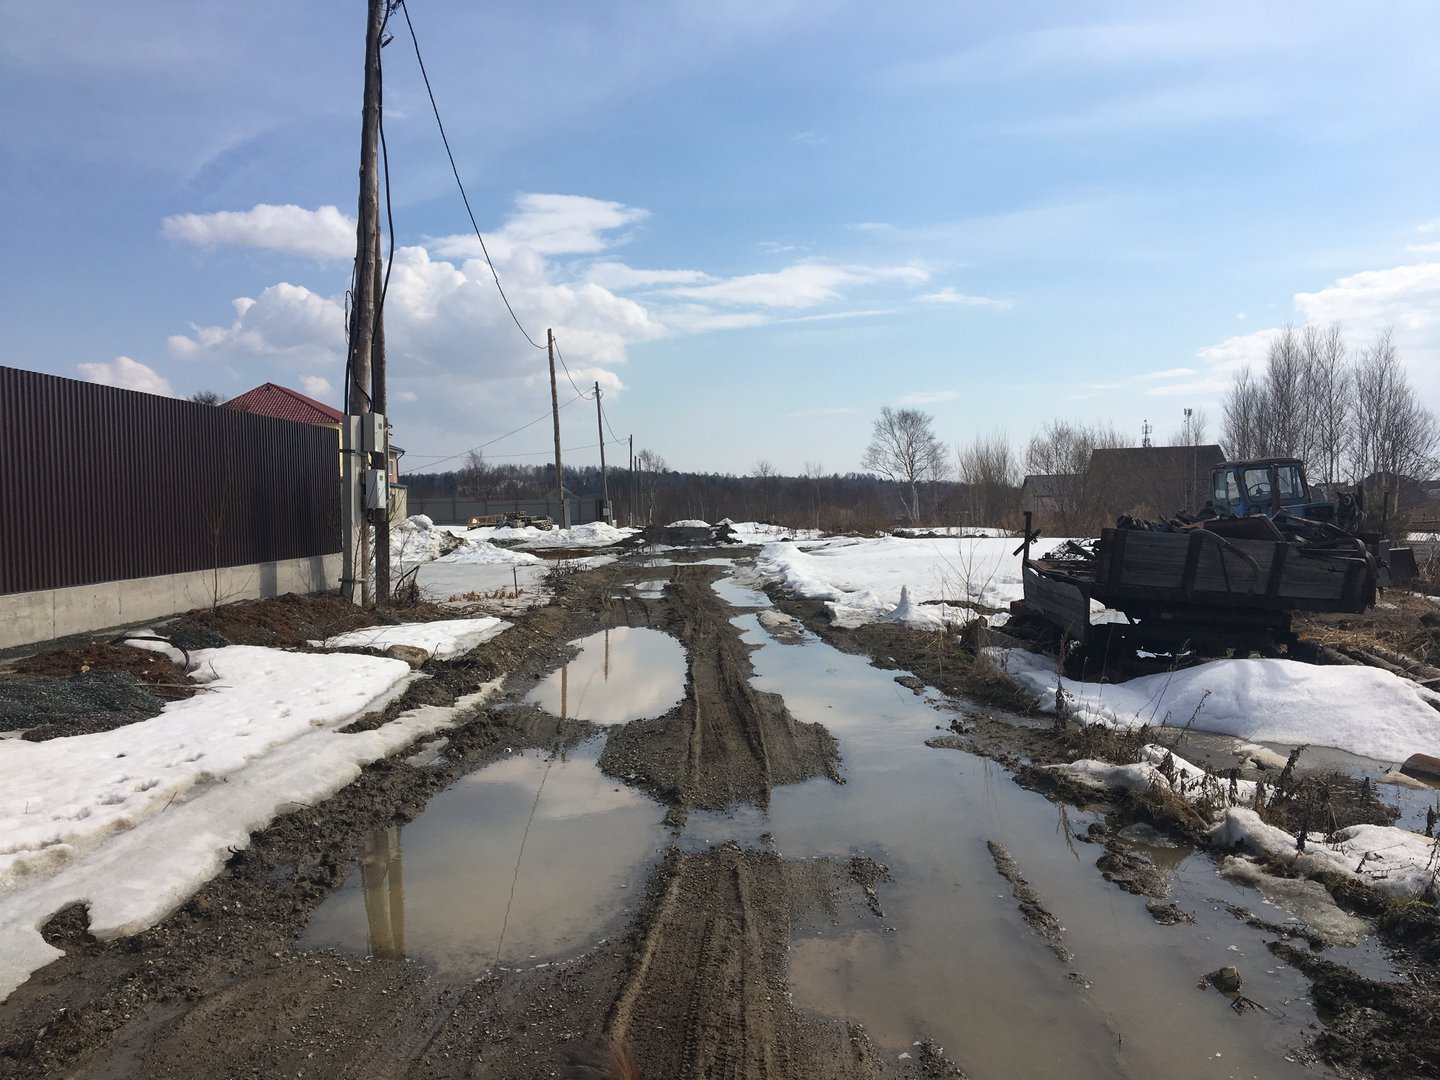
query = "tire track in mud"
{"x": 726, "y": 742}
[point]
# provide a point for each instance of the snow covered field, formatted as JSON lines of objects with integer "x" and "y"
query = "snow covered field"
{"x": 860, "y": 580}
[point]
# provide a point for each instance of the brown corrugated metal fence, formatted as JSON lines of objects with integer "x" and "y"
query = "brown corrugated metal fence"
{"x": 103, "y": 484}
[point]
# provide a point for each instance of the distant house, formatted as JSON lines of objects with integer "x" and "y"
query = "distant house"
{"x": 1150, "y": 481}
{"x": 1049, "y": 496}
{"x": 282, "y": 403}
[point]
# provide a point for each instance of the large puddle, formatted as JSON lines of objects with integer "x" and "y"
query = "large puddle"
{"x": 529, "y": 860}
{"x": 953, "y": 959}
{"x": 621, "y": 674}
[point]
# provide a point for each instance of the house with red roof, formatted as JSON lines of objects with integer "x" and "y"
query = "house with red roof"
{"x": 282, "y": 403}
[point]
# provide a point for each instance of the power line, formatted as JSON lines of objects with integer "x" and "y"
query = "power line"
{"x": 544, "y": 416}
{"x": 606, "y": 415}
{"x": 588, "y": 397}
{"x": 454, "y": 169}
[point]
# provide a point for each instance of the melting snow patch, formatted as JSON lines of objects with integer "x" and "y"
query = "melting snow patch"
{"x": 132, "y": 821}
{"x": 443, "y": 640}
{"x": 1364, "y": 710}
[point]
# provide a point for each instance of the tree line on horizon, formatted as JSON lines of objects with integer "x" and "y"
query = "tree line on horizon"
{"x": 1352, "y": 416}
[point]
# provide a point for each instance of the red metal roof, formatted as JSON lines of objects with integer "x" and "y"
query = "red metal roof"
{"x": 282, "y": 403}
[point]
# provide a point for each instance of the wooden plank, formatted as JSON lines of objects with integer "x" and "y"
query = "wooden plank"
{"x": 1277, "y": 570}
{"x": 1063, "y": 603}
{"x": 1193, "y": 544}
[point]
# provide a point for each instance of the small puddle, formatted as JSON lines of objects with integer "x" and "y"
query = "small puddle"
{"x": 951, "y": 958}
{"x": 621, "y": 674}
{"x": 476, "y": 881}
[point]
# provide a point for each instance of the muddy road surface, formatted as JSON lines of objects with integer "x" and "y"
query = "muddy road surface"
{"x": 783, "y": 856}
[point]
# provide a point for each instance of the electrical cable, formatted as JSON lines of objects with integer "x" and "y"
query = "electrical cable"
{"x": 587, "y": 396}
{"x": 606, "y": 415}
{"x": 455, "y": 169}
{"x": 544, "y": 416}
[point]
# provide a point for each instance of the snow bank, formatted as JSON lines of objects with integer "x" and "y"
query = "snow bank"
{"x": 1364, "y": 710}
{"x": 482, "y": 553}
{"x": 1395, "y": 861}
{"x": 689, "y": 523}
{"x": 594, "y": 534}
{"x": 416, "y": 540}
{"x": 443, "y": 640}
{"x": 133, "y": 821}
{"x": 861, "y": 580}
{"x": 757, "y": 532}
{"x": 1159, "y": 765}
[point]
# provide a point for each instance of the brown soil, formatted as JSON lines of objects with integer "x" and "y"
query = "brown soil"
{"x": 1036, "y": 914}
{"x": 726, "y": 742}
{"x": 1406, "y": 623}
{"x": 159, "y": 671}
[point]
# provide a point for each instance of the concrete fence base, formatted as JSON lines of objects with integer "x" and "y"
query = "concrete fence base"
{"x": 51, "y": 613}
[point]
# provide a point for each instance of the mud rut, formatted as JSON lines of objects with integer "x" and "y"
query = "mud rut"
{"x": 695, "y": 987}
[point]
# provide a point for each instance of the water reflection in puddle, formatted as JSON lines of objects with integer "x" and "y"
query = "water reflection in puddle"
{"x": 621, "y": 674}
{"x": 439, "y": 889}
{"x": 951, "y": 958}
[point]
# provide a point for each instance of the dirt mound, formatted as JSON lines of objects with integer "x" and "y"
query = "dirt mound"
{"x": 156, "y": 669}
{"x": 47, "y": 707}
{"x": 280, "y": 621}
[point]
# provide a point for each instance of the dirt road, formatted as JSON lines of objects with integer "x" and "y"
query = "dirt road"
{"x": 695, "y": 987}
{"x": 697, "y": 981}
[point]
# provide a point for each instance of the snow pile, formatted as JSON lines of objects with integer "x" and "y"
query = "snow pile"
{"x": 444, "y": 640}
{"x": 481, "y": 553}
{"x": 594, "y": 534}
{"x": 689, "y": 523}
{"x": 1395, "y": 861}
{"x": 860, "y": 580}
{"x": 1361, "y": 709}
{"x": 1159, "y": 765}
{"x": 955, "y": 530}
{"x": 417, "y": 540}
{"x": 757, "y": 532}
{"x": 132, "y": 821}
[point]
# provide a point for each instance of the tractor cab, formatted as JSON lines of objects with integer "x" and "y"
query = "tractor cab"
{"x": 1268, "y": 486}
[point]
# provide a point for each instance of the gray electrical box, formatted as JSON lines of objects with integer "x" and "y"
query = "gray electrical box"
{"x": 372, "y": 433}
{"x": 377, "y": 490}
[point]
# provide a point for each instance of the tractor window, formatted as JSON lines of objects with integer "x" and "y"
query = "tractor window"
{"x": 1292, "y": 484}
{"x": 1227, "y": 491}
{"x": 1257, "y": 484}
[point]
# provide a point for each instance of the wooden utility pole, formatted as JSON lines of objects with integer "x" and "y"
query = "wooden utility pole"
{"x": 555, "y": 409}
{"x": 632, "y": 481}
{"x": 378, "y": 405}
{"x": 362, "y": 314}
{"x": 604, "y": 480}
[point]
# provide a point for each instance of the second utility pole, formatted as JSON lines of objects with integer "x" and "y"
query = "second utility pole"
{"x": 604, "y": 482}
{"x": 555, "y": 408}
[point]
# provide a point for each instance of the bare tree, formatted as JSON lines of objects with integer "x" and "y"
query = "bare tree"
{"x": 650, "y": 467}
{"x": 767, "y": 481}
{"x": 1330, "y": 406}
{"x": 1394, "y": 435}
{"x": 815, "y": 473}
{"x": 207, "y": 397}
{"x": 1244, "y": 405}
{"x": 903, "y": 449}
{"x": 477, "y": 479}
{"x": 990, "y": 471}
{"x": 1061, "y": 451}
{"x": 1194, "y": 431}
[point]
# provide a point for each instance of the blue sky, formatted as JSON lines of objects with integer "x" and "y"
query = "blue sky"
{"x": 753, "y": 223}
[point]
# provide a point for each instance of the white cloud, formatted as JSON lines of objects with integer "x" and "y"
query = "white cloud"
{"x": 802, "y": 285}
{"x": 948, "y": 295}
{"x": 872, "y": 226}
{"x": 548, "y": 225}
{"x": 127, "y": 374}
{"x": 325, "y": 233}
{"x": 1423, "y": 249}
{"x": 1428, "y": 226}
{"x": 929, "y": 397}
{"x": 316, "y": 386}
{"x": 614, "y": 275}
{"x": 1170, "y": 373}
{"x": 407, "y": 396}
{"x": 1405, "y": 298}
{"x": 819, "y": 410}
